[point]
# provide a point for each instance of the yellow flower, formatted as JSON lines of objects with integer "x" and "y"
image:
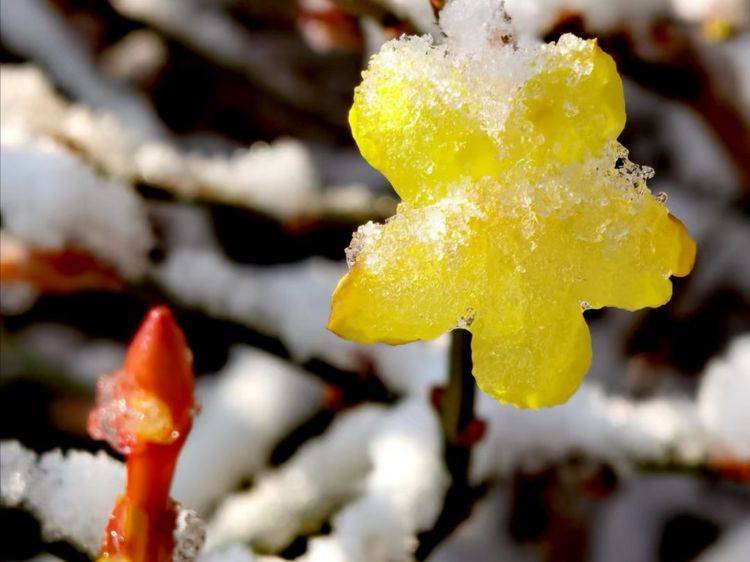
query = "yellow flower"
{"x": 519, "y": 210}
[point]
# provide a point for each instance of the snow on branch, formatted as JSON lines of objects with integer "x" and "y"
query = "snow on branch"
{"x": 51, "y": 200}
{"x": 402, "y": 495}
{"x": 662, "y": 429}
{"x": 303, "y": 493}
{"x": 280, "y": 179}
{"x": 722, "y": 400}
{"x": 393, "y": 456}
{"x": 34, "y": 30}
{"x": 246, "y": 409}
{"x": 71, "y": 494}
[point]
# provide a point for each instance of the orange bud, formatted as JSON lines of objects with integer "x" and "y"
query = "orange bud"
{"x": 160, "y": 364}
{"x": 145, "y": 411}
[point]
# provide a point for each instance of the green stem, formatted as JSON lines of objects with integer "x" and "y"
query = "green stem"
{"x": 457, "y": 403}
{"x": 456, "y": 413}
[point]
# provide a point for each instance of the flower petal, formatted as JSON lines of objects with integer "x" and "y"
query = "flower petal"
{"x": 422, "y": 114}
{"x": 572, "y": 108}
{"x": 617, "y": 245}
{"x": 538, "y": 364}
{"x": 412, "y": 278}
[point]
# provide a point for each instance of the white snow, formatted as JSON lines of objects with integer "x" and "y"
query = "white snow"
{"x": 51, "y": 487}
{"x": 34, "y": 29}
{"x": 232, "y": 553}
{"x": 246, "y": 410}
{"x": 73, "y": 493}
{"x": 724, "y": 400}
{"x": 736, "y": 12}
{"x": 732, "y": 546}
{"x": 623, "y": 430}
{"x": 16, "y": 464}
{"x": 394, "y": 457}
{"x": 592, "y": 422}
{"x": 402, "y": 495}
{"x": 32, "y": 108}
{"x": 50, "y": 199}
{"x": 279, "y": 178}
{"x": 189, "y": 537}
{"x": 136, "y": 57}
{"x": 322, "y": 475}
{"x": 534, "y": 17}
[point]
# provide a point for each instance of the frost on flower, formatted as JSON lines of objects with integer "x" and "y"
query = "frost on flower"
{"x": 519, "y": 207}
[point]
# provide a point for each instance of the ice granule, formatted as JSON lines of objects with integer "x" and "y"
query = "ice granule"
{"x": 473, "y": 24}
{"x": 364, "y": 234}
{"x": 73, "y": 494}
{"x": 189, "y": 536}
{"x": 16, "y": 465}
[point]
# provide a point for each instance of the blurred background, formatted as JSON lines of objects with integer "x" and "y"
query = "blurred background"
{"x": 196, "y": 153}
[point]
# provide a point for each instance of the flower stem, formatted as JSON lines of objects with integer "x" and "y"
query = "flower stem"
{"x": 457, "y": 403}
{"x": 460, "y": 431}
